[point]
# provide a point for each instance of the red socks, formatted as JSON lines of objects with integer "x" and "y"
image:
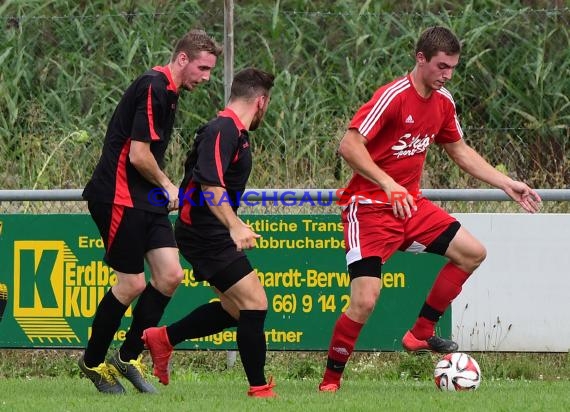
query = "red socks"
{"x": 345, "y": 334}
{"x": 446, "y": 287}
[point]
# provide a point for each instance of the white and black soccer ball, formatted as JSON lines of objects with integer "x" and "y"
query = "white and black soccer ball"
{"x": 457, "y": 372}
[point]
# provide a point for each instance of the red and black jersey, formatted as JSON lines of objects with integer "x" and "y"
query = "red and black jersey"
{"x": 145, "y": 113}
{"x": 220, "y": 156}
{"x": 399, "y": 126}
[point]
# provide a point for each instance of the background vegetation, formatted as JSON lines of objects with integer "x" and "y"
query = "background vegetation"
{"x": 66, "y": 64}
{"x": 304, "y": 365}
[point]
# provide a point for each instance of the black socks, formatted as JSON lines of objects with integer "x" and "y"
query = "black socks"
{"x": 147, "y": 313}
{"x": 105, "y": 323}
{"x": 205, "y": 320}
{"x": 251, "y": 345}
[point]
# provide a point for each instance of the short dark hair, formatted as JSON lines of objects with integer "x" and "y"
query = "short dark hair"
{"x": 250, "y": 83}
{"x": 438, "y": 39}
{"x": 194, "y": 42}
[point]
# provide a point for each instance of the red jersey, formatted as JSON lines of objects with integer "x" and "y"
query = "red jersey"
{"x": 399, "y": 125}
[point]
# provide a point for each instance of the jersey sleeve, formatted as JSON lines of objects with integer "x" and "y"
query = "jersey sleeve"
{"x": 218, "y": 147}
{"x": 150, "y": 103}
{"x": 374, "y": 115}
{"x": 451, "y": 130}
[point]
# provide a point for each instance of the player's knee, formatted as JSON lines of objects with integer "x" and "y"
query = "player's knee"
{"x": 262, "y": 305}
{"x": 128, "y": 289}
{"x": 477, "y": 256}
{"x": 258, "y": 302}
{"x": 173, "y": 279}
{"x": 137, "y": 287}
{"x": 167, "y": 281}
{"x": 369, "y": 302}
{"x": 177, "y": 277}
{"x": 363, "y": 305}
{"x": 253, "y": 300}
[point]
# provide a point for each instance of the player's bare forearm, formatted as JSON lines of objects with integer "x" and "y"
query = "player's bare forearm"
{"x": 352, "y": 148}
{"x": 471, "y": 162}
{"x": 143, "y": 160}
{"x": 222, "y": 210}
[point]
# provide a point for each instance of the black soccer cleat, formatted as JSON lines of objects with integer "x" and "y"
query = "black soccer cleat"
{"x": 433, "y": 343}
{"x": 102, "y": 377}
{"x": 134, "y": 370}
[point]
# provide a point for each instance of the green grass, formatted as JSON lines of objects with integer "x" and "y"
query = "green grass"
{"x": 49, "y": 380}
{"x": 225, "y": 391}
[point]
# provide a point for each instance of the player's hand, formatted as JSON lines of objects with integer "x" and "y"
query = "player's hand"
{"x": 243, "y": 236}
{"x": 173, "y": 201}
{"x": 403, "y": 203}
{"x": 524, "y": 196}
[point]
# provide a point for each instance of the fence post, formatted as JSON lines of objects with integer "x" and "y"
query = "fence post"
{"x": 228, "y": 77}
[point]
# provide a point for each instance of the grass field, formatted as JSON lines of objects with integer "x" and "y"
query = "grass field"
{"x": 48, "y": 380}
{"x": 226, "y": 391}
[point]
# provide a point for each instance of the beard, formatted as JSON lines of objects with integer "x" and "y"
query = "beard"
{"x": 256, "y": 121}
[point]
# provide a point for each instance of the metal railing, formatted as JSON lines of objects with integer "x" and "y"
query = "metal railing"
{"x": 324, "y": 194}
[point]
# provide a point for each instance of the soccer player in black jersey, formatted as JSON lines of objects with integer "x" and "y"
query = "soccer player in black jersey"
{"x": 212, "y": 237}
{"x": 129, "y": 197}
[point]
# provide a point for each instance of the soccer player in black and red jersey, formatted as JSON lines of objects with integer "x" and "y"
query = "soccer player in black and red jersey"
{"x": 386, "y": 145}
{"x": 212, "y": 237}
{"x": 129, "y": 197}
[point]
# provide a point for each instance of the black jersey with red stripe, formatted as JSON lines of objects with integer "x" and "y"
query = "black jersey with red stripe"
{"x": 220, "y": 156}
{"x": 145, "y": 113}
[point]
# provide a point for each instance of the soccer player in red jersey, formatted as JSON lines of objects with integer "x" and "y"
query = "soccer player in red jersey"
{"x": 129, "y": 197}
{"x": 383, "y": 210}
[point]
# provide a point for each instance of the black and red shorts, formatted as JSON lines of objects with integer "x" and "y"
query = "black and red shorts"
{"x": 128, "y": 234}
{"x": 213, "y": 254}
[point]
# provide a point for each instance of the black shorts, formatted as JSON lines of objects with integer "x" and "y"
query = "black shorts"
{"x": 129, "y": 233}
{"x": 213, "y": 255}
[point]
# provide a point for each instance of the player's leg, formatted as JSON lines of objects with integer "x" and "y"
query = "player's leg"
{"x": 465, "y": 254}
{"x": 248, "y": 295}
{"x": 208, "y": 259}
{"x": 205, "y": 320}
{"x": 166, "y": 274}
{"x": 367, "y": 240}
{"x": 126, "y": 258}
{"x": 364, "y": 292}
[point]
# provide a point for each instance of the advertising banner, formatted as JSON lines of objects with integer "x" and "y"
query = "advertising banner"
{"x": 53, "y": 276}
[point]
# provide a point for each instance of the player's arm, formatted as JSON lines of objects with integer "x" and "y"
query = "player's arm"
{"x": 352, "y": 148}
{"x": 147, "y": 127}
{"x": 471, "y": 162}
{"x": 242, "y": 234}
{"x": 143, "y": 160}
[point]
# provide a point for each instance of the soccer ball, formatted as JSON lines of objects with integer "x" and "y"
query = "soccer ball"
{"x": 457, "y": 372}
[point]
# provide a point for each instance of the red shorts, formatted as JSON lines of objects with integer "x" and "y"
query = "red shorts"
{"x": 373, "y": 230}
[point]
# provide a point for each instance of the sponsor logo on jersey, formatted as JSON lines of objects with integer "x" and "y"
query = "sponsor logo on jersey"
{"x": 409, "y": 145}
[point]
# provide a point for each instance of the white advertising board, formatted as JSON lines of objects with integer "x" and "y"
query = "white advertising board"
{"x": 519, "y": 298}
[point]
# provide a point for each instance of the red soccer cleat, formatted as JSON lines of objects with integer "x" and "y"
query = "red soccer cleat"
{"x": 329, "y": 387}
{"x": 156, "y": 341}
{"x": 263, "y": 391}
{"x": 433, "y": 343}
